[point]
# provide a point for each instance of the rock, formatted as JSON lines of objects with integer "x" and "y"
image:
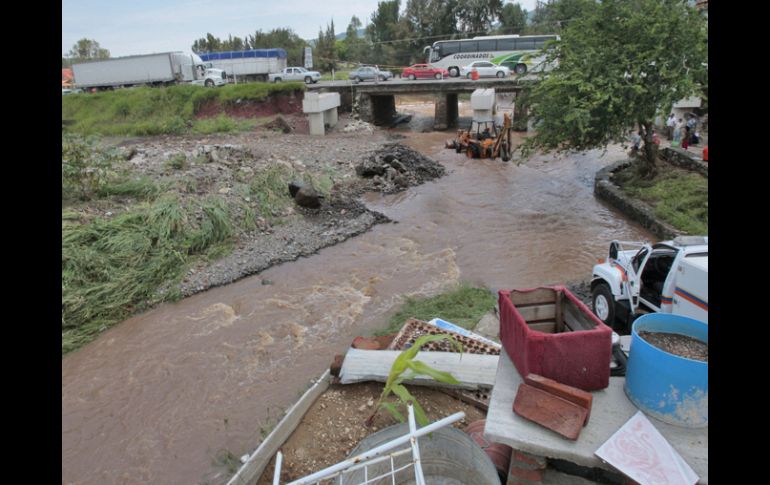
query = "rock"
{"x": 279, "y": 124}
{"x": 307, "y": 197}
{"x": 225, "y": 190}
{"x": 294, "y": 187}
{"x": 397, "y": 165}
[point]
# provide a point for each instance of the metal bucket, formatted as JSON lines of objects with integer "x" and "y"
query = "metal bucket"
{"x": 665, "y": 386}
{"x": 500, "y": 454}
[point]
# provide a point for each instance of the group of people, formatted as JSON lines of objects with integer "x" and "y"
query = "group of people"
{"x": 682, "y": 133}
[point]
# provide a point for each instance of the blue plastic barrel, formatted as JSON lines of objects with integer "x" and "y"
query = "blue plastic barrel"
{"x": 665, "y": 386}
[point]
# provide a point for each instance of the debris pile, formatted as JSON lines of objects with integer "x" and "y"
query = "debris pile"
{"x": 395, "y": 167}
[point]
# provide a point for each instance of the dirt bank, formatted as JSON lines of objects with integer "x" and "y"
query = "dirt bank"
{"x": 226, "y": 167}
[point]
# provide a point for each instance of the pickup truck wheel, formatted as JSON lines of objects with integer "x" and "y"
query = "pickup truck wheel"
{"x": 308, "y": 80}
{"x": 604, "y": 303}
{"x": 209, "y": 83}
{"x": 277, "y": 80}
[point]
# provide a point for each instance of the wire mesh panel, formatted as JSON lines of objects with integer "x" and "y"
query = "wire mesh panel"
{"x": 387, "y": 463}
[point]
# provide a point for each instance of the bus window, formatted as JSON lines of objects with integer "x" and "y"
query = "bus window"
{"x": 525, "y": 44}
{"x": 506, "y": 44}
{"x": 449, "y": 48}
{"x": 469, "y": 46}
{"x": 487, "y": 45}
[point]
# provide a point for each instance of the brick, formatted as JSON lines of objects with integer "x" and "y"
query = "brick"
{"x": 365, "y": 343}
{"x": 515, "y": 473}
{"x": 557, "y": 414}
{"x": 572, "y": 394}
{"x": 525, "y": 460}
{"x": 385, "y": 340}
{"x": 336, "y": 366}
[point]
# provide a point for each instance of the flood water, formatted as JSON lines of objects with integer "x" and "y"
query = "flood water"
{"x": 159, "y": 397}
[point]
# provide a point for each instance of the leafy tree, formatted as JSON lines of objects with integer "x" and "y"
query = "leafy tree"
{"x": 553, "y": 16}
{"x": 383, "y": 30}
{"x": 325, "y": 56}
{"x": 513, "y": 19}
{"x": 618, "y": 66}
{"x": 87, "y": 49}
{"x": 476, "y": 16}
{"x": 352, "y": 47}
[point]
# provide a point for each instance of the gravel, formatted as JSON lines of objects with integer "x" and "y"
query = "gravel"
{"x": 681, "y": 345}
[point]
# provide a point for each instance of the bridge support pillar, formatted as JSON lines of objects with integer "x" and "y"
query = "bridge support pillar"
{"x": 446, "y": 111}
{"x": 384, "y": 109}
{"x": 379, "y": 110}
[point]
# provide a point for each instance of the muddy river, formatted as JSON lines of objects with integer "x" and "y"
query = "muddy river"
{"x": 162, "y": 397}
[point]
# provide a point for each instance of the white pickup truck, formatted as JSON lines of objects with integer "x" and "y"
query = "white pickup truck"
{"x": 295, "y": 74}
{"x": 667, "y": 277}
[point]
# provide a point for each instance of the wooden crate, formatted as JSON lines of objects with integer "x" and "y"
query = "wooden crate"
{"x": 548, "y": 331}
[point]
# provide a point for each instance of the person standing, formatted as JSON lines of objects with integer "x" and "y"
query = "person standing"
{"x": 670, "y": 124}
{"x": 678, "y": 132}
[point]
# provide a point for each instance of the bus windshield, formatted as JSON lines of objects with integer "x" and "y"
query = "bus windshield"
{"x": 521, "y": 54}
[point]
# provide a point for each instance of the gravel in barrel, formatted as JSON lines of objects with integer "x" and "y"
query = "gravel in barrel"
{"x": 681, "y": 345}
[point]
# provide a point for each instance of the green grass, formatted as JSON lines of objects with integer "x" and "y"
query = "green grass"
{"x": 171, "y": 110}
{"x": 678, "y": 197}
{"x": 463, "y": 306}
{"x": 112, "y": 268}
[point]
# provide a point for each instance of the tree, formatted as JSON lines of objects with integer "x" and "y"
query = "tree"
{"x": 513, "y": 19}
{"x": 552, "y": 16}
{"x": 86, "y": 49}
{"x": 477, "y": 16}
{"x": 383, "y": 30}
{"x": 618, "y": 67}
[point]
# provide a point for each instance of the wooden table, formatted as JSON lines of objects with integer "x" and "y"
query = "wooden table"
{"x": 611, "y": 409}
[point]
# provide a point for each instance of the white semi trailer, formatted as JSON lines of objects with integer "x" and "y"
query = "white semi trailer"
{"x": 254, "y": 64}
{"x": 151, "y": 69}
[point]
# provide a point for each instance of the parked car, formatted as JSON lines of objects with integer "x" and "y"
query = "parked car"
{"x": 485, "y": 69}
{"x": 424, "y": 71}
{"x": 369, "y": 72}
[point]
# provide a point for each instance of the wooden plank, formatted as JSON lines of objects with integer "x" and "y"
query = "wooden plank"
{"x": 559, "y": 306}
{"x": 539, "y": 312}
{"x": 575, "y": 319}
{"x": 257, "y": 462}
{"x": 474, "y": 371}
{"x": 545, "y": 327}
{"x": 538, "y": 296}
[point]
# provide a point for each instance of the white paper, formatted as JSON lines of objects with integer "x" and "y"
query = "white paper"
{"x": 639, "y": 451}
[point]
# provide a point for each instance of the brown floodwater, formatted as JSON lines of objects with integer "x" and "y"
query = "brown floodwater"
{"x": 163, "y": 396}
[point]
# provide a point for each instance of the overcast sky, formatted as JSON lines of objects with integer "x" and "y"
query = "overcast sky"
{"x": 130, "y": 27}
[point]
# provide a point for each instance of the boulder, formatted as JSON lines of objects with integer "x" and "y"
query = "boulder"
{"x": 306, "y": 196}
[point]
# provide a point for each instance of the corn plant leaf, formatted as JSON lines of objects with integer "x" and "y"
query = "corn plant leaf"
{"x": 393, "y": 411}
{"x": 406, "y": 397}
{"x": 420, "y": 367}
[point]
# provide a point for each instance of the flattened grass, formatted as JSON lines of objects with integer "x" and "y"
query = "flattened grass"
{"x": 114, "y": 267}
{"x": 463, "y": 306}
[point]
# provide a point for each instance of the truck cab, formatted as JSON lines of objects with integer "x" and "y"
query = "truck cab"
{"x": 637, "y": 278}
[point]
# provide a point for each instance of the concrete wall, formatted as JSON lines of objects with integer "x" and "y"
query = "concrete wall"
{"x": 638, "y": 211}
{"x": 685, "y": 159}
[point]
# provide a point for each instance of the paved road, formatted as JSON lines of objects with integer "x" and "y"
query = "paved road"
{"x": 404, "y": 81}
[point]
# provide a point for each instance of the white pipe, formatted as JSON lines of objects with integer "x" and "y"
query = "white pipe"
{"x": 380, "y": 449}
{"x": 277, "y": 473}
{"x": 419, "y": 478}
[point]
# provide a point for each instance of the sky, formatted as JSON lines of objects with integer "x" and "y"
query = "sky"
{"x": 145, "y": 26}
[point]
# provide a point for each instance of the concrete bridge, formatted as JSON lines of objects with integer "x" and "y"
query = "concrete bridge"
{"x": 376, "y": 101}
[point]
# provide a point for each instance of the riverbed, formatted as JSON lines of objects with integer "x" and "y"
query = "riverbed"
{"x": 161, "y": 397}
